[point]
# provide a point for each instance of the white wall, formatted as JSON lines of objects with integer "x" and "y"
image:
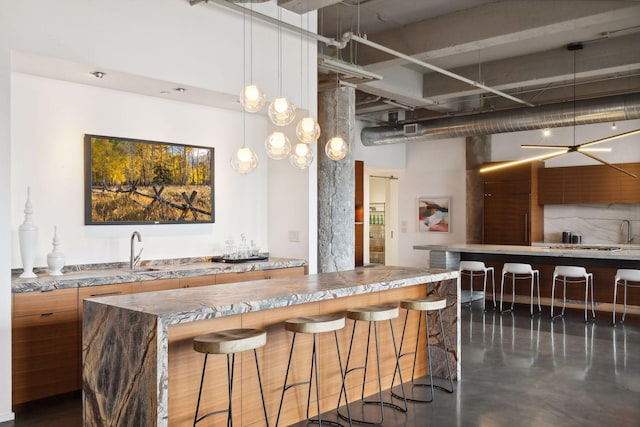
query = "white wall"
{"x": 163, "y": 40}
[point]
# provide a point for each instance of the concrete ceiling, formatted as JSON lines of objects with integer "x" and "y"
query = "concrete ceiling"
{"x": 515, "y": 46}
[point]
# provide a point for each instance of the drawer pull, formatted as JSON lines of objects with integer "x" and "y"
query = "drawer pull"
{"x": 46, "y": 314}
{"x": 106, "y": 294}
{"x": 47, "y": 290}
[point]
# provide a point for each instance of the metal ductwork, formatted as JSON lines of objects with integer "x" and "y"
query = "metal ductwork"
{"x": 610, "y": 109}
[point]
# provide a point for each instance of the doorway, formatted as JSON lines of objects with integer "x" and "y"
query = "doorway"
{"x": 383, "y": 219}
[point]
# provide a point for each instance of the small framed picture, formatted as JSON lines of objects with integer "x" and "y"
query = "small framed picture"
{"x": 434, "y": 214}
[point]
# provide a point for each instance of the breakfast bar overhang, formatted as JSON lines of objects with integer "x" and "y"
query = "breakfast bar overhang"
{"x": 139, "y": 365}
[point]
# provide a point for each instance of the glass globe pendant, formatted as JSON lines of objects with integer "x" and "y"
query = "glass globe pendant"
{"x": 281, "y": 111}
{"x": 308, "y": 130}
{"x": 336, "y": 148}
{"x": 277, "y": 145}
{"x": 252, "y": 98}
{"x": 301, "y": 157}
{"x": 244, "y": 160}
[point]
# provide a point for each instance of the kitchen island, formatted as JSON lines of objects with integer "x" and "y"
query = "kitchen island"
{"x": 139, "y": 366}
{"x": 601, "y": 260}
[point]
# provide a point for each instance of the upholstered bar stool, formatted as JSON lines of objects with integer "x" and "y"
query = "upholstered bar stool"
{"x": 314, "y": 325}
{"x": 372, "y": 315}
{"x": 623, "y": 277}
{"x": 423, "y": 306}
{"x": 518, "y": 271}
{"x": 229, "y": 342}
{"x": 477, "y": 268}
{"x": 572, "y": 275}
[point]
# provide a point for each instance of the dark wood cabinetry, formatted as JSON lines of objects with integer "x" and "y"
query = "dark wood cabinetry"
{"x": 359, "y": 213}
{"x": 593, "y": 184}
{"x": 511, "y": 213}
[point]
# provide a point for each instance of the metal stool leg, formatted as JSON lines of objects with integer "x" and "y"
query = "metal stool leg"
{"x": 264, "y": 406}
{"x": 230, "y": 368}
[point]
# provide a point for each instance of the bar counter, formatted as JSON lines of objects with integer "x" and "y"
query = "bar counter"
{"x": 139, "y": 366}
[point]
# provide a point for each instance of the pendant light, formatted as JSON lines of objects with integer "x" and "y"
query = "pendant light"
{"x": 307, "y": 129}
{"x": 277, "y": 145}
{"x": 244, "y": 160}
{"x": 281, "y": 111}
{"x": 252, "y": 98}
{"x": 302, "y": 156}
{"x": 336, "y": 148}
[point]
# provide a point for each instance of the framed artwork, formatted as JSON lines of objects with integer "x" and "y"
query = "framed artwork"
{"x": 131, "y": 181}
{"x": 434, "y": 214}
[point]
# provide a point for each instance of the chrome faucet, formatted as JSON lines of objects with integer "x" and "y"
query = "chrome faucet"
{"x": 133, "y": 260}
{"x": 629, "y": 235}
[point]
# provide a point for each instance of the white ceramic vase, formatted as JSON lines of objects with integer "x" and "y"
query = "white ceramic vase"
{"x": 55, "y": 260}
{"x": 28, "y": 238}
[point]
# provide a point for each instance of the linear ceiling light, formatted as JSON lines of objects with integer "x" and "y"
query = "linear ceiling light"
{"x": 347, "y": 69}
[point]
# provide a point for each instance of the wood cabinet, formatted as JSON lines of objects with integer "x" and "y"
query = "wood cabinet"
{"x": 593, "y": 184}
{"x": 47, "y": 329}
{"x": 511, "y": 213}
{"x": 359, "y": 214}
{"x": 45, "y": 342}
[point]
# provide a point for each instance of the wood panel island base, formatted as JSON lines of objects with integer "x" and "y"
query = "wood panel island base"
{"x": 139, "y": 366}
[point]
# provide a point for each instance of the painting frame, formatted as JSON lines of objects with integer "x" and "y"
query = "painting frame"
{"x": 129, "y": 181}
{"x": 434, "y": 214}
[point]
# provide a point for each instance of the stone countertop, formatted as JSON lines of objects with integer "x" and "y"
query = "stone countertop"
{"x": 627, "y": 252}
{"x": 192, "y": 304}
{"x": 151, "y": 271}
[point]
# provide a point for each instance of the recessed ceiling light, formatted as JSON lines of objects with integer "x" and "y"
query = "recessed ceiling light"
{"x": 99, "y": 74}
{"x": 164, "y": 92}
{"x": 180, "y": 89}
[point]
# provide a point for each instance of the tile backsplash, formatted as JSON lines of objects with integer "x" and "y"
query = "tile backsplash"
{"x": 598, "y": 224}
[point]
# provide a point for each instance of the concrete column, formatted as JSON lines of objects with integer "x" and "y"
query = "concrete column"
{"x": 478, "y": 149}
{"x": 336, "y": 183}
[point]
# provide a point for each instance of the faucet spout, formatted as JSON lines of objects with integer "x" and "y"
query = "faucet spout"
{"x": 134, "y": 259}
{"x": 629, "y": 233}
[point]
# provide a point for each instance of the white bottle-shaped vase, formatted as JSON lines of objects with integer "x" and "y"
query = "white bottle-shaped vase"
{"x": 28, "y": 237}
{"x": 55, "y": 260}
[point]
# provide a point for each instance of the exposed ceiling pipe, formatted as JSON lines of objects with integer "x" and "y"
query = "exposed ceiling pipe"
{"x": 614, "y": 108}
{"x": 341, "y": 44}
{"x": 362, "y": 40}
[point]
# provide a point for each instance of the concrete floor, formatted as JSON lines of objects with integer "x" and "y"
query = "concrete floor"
{"x": 516, "y": 371}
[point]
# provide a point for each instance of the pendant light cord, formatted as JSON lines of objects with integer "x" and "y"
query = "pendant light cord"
{"x": 279, "y": 52}
{"x": 574, "y": 98}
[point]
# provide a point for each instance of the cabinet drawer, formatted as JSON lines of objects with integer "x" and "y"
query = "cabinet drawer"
{"x": 284, "y": 272}
{"x": 36, "y": 303}
{"x": 102, "y": 291}
{"x": 240, "y": 277}
{"x": 154, "y": 285}
{"x": 192, "y": 282}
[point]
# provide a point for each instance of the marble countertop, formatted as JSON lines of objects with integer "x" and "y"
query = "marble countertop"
{"x": 118, "y": 273}
{"x": 627, "y": 252}
{"x": 191, "y": 304}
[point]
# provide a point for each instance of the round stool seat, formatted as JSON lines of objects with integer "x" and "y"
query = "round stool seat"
{"x": 374, "y": 313}
{"x": 628, "y": 274}
{"x": 429, "y": 303}
{"x": 315, "y": 324}
{"x": 230, "y": 341}
{"x": 472, "y": 266}
{"x": 570, "y": 271}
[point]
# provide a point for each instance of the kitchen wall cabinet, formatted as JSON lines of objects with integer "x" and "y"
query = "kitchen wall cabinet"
{"x": 45, "y": 342}
{"x": 593, "y": 184}
{"x": 47, "y": 329}
{"x": 511, "y": 213}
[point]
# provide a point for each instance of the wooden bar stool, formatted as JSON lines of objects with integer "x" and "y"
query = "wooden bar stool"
{"x": 475, "y": 269}
{"x": 424, "y": 306}
{"x": 229, "y": 342}
{"x": 372, "y": 315}
{"x": 314, "y": 325}
{"x": 623, "y": 277}
{"x": 572, "y": 275}
{"x": 519, "y": 271}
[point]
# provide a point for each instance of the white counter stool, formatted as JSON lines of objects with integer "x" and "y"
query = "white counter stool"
{"x": 229, "y": 342}
{"x": 314, "y": 325}
{"x": 474, "y": 269}
{"x": 623, "y": 277}
{"x": 572, "y": 275}
{"x": 423, "y": 306}
{"x": 518, "y": 271}
{"x": 372, "y": 315}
